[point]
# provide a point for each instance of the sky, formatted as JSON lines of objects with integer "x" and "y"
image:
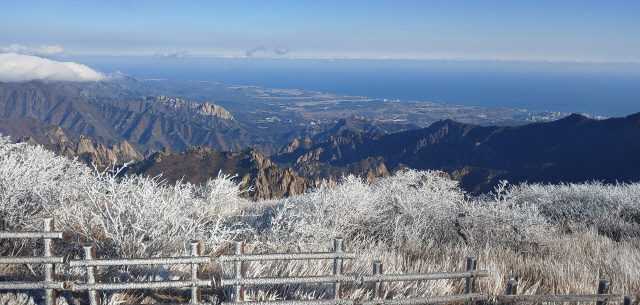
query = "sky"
{"x": 585, "y": 31}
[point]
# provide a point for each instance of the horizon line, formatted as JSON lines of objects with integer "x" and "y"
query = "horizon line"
{"x": 354, "y": 58}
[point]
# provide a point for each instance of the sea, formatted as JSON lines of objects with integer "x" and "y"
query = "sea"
{"x": 602, "y": 89}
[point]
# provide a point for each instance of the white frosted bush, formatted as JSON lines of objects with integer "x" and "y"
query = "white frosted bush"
{"x": 612, "y": 209}
{"x": 410, "y": 207}
{"x": 320, "y": 215}
{"x": 502, "y": 219}
{"x": 418, "y": 206}
{"x": 128, "y": 216}
{"x": 142, "y": 216}
{"x": 33, "y": 181}
{"x": 223, "y": 193}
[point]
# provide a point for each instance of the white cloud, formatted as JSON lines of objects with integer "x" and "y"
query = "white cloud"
{"x": 49, "y": 51}
{"x": 280, "y": 50}
{"x": 15, "y": 48}
{"x": 174, "y": 54}
{"x": 22, "y": 68}
{"x": 43, "y": 51}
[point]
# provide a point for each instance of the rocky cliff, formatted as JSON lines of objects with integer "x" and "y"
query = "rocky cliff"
{"x": 174, "y": 107}
{"x": 198, "y": 164}
{"x": 69, "y": 144}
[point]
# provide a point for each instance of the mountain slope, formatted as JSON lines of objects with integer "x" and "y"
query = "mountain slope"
{"x": 572, "y": 149}
{"x": 320, "y": 132}
{"x": 99, "y": 151}
{"x": 151, "y": 123}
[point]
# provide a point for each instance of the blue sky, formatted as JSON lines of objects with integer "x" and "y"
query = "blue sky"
{"x": 592, "y": 31}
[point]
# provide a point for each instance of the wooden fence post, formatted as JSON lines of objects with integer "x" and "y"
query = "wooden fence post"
{"x": 238, "y": 272}
{"x": 49, "y": 269}
{"x": 603, "y": 288}
{"x": 377, "y": 285}
{"x": 628, "y": 300}
{"x": 512, "y": 288}
{"x": 337, "y": 268}
{"x": 472, "y": 264}
{"x": 92, "y": 273}
{"x": 196, "y": 292}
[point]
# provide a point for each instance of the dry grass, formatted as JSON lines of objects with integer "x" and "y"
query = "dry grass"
{"x": 571, "y": 264}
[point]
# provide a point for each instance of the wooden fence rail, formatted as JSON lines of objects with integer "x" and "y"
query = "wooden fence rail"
{"x": 601, "y": 298}
{"x": 49, "y": 285}
{"x": 93, "y": 286}
{"x": 469, "y": 297}
{"x": 238, "y": 281}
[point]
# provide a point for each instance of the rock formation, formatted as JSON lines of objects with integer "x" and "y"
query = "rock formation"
{"x": 253, "y": 170}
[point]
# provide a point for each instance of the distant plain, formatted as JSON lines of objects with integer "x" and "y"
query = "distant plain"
{"x": 603, "y": 89}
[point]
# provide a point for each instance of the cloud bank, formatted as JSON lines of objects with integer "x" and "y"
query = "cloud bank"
{"x": 280, "y": 50}
{"x": 22, "y": 68}
{"x": 249, "y": 53}
{"x": 174, "y": 54}
{"x": 42, "y": 51}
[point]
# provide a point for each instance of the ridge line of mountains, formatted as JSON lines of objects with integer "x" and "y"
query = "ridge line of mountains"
{"x": 114, "y": 123}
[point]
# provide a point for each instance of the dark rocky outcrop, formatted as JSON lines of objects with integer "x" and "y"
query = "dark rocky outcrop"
{"x": 199, "y": 164}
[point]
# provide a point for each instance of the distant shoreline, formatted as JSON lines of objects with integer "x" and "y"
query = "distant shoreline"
{"x": 608, "y": 90}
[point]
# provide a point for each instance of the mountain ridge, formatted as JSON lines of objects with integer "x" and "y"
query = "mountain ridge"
{"x": 572, "y": 149}
{"x": 146, "y": 127}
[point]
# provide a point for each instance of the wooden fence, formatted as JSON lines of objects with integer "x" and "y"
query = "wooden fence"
{"x": 92, "y": 286}
{"x": 468, "y": 297}
{"x": 48, "y": 260}
{"x": 239, "y": 280}
{"x": 601, "y": 298}
{"x": 236, "y": 296}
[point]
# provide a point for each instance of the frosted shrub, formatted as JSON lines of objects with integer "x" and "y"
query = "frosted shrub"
{"x": 129, "y": 216}
{"x": 32, "y": 182}
{"x": 138, "y": 216}
{"x": 223, "y": 193}
{"x": 614, "y": 210}
{"x": 413, "y": 206}
{"x": 502, "y": 219}
{"x": 320, "y": 215}
{"x": 417, "y": 206}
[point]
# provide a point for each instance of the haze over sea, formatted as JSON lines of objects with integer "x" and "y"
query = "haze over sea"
{"x": 611, "y": 90}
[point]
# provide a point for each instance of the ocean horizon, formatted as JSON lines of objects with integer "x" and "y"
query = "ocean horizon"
{"x": 609, "y": 90}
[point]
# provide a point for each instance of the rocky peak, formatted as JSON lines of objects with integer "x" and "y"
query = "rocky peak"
{"x": 210, "y": 108}
{"x": 57, "y": 136}
{"x": 101, "y": 155}
{"x": 304, "y": 142}
{"x": 199, "y": 163}
{"x": 200, "y": 151}
{"x": 258, "y": 158}
{"x": 173, "y": 105}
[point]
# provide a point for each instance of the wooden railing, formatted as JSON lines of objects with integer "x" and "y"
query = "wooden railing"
{"x": 238, "y": 281}
{"x": 48, "y": 260}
